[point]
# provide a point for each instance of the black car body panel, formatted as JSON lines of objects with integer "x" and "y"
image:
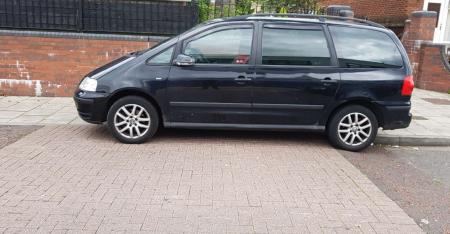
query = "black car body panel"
{"x": 252, "y": 95}
{"x": 210, "y": 94}
{"x": 91, "y": 106}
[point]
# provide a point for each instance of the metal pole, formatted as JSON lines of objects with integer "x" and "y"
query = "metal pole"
{"x": 80, "y": 15}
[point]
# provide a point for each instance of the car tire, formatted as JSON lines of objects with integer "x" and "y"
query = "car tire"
{"x": 352, "y": 128}
{"x": 133, "y": 120}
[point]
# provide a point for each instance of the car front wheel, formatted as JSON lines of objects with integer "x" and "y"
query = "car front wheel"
{"x": 353, "y": 128}
{"x": 132, "y": 120}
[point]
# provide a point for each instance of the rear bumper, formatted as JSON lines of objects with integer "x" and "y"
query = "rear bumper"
{"x": 395, "y": 117}
{"x": 91, "y": 106}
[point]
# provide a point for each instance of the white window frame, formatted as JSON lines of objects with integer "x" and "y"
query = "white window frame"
{"x": 439, "y": 32}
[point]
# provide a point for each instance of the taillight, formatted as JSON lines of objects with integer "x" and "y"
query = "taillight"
{"x": 408, "y": 86}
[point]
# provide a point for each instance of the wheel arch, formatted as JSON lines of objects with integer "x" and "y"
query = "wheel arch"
{"x": 133, "y": 92}
{"x": 375, "y": 108}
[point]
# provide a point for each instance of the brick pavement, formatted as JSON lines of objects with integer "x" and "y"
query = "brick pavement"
{"x": 11, "y": 134}
{"x": 70, "y": 178}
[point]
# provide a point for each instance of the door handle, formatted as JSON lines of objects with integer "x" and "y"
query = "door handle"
{"x": 329, "y": 80}
{"x": 243, "y": 78}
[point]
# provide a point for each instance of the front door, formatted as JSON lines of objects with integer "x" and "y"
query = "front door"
{"x": 296, "y": 77}
{"x": 441, "y": 32}
{"x": 217, "y": 89}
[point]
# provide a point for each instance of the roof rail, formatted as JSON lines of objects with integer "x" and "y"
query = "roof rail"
{"x": 321, "y": 18}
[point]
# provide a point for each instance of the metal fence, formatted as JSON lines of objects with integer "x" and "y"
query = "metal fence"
{"x": 128, "y": 16}
{"x": 112, "y": 16}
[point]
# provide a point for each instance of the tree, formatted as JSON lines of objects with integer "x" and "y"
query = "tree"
{"x": 244, "y": 7}
{"x": 218, "y": 9}
{"x": 289, "y": 6}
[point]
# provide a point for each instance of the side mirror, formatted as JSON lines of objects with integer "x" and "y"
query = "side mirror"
{"x": 184, "y": 60}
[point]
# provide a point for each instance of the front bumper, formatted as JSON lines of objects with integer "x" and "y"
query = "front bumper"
{"x": 395, "y": 117}
{"x": 91, "y": 106}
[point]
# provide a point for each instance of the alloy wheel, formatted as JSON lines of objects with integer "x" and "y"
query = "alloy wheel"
{"x": 132, "y": 121}
{"x": 354, "y": 129}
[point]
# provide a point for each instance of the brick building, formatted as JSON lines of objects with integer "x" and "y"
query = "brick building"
{"x": 391, "y": 13}
{"x": 429, "y": 60}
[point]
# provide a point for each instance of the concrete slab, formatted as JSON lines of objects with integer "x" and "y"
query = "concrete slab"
{"x": 27, "y": 119}
{"x": 429, "y": 128}
{"x": 10, "y": 114}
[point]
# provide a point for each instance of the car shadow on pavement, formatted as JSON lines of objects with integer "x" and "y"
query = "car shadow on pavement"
{"x": 101, "y": 132}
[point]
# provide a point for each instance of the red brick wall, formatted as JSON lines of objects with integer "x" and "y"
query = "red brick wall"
{"x": 420, "y": 27}
{"x": 388, "y": 12}
{"x": 44, "y": 66}
{"x": 433, "y": 73}
{"x": 431, "y": 69}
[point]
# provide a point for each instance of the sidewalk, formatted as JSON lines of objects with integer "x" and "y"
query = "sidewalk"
{"x": 430, "y": 125}
{"x": 38, "y": 111}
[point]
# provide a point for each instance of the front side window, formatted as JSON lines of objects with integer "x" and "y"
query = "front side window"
{"x": 365, "y": 48}
{"x": 164, "y": 57}
{"x": 302, "y": 47}
{"x": 229, "y": 46}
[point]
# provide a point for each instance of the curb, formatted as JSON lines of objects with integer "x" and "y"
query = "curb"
{"x": 412, "y": 140}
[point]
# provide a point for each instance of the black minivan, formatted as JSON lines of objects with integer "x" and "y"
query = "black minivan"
{"x": 346, "y": 77}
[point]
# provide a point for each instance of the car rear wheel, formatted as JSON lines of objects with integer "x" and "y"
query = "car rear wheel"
{"x": 132, "y": 120}
{"x": 353, "y": 128}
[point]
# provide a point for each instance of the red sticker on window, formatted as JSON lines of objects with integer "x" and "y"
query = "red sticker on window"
{"x": 241, "y": 59}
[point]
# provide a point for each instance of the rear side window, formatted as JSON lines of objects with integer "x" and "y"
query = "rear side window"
{"x": 303, "y": 47}
{"x": 365, "y": 48}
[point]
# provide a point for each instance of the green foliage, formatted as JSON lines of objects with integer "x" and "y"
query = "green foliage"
{"x": 289, "y": 6}
{"x": 203, "y": 10}
{"x": 244, "y": 7}
{"x": 208, "y": 10}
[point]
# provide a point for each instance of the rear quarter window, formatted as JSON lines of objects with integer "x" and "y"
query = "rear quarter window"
{"x": 365, "y": 48}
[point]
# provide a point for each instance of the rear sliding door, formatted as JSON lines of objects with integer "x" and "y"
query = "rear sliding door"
{"x": 296, "y": 77}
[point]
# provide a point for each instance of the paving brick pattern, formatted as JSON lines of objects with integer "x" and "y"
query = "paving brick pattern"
{"x": 72, "y": 178}
{"x": 11, "y": 134}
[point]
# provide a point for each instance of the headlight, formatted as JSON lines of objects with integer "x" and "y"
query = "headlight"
{"x": 88, "y": 84}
